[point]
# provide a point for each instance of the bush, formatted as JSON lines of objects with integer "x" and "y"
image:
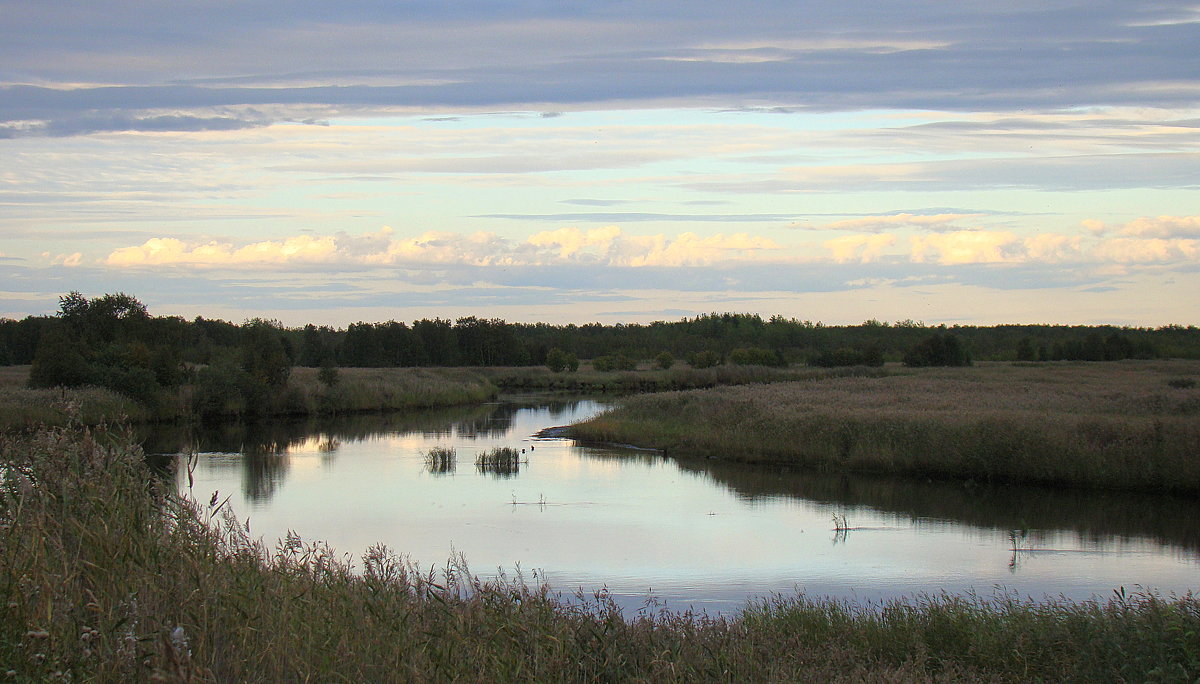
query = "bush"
{"x": 704, "y": 359}
{"x": 871, "y": 356}
{"x": 664, "y": 360}
{"x": 558, "y": 361}
{"x": 754, "y": 356}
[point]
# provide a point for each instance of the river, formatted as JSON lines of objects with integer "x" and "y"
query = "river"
{"x": 657, "y": 531}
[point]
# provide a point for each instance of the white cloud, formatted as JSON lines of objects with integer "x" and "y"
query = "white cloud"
{"x": 604, "y": 246}
{"x": 571, "y": 241}
{"x": 965, "y": 247}
{"x": 73, "y": 259}
{"x": 1132, "y": 250}
{"x": 172, "y": 251}
{"x": 1151, "y": 227}
{"x": 859, "y": 248}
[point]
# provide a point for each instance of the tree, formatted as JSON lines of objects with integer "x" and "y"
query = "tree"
{"x": 664, "y": 360}
{"x": 59, "y": 361}
{"x": 938, "y": 350}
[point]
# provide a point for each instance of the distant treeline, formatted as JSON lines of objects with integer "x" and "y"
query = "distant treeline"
{"x": 114, "y": 333}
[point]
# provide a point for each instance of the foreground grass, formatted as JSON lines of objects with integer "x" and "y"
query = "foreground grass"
{"x": 107, "y": 575}
{"x": 1113, "y": 425}
{"x": 357, "y": 390}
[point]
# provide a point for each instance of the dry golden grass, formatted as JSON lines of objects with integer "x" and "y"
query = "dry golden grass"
{"x": 1117, "y": 425}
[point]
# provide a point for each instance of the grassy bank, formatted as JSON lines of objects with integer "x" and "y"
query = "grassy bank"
{"x": 1127, "y": 425}
{"x": 539, "y": 378}
{"x": 107, "y": 575}
{"x": 356, "y": 390}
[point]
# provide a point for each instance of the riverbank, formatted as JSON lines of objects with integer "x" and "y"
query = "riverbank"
{"x": 1124, "y": 425}
{"x": 356, "y": 390}
{"x": 107, "y": 579}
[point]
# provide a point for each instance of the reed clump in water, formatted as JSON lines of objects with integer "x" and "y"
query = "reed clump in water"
{"x": 441, "y": 460}
{"x": 1110, "y": 425}
{"x": 502, "y": 461}
{"x": 107, "y": 574}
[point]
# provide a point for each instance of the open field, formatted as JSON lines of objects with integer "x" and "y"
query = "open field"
{"x": 108, "y": 575}
{"x": 357, "y": 390}
{"x": 1124, "y": 425}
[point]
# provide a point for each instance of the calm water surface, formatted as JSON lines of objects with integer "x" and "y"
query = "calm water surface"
{"x": 697, "y": 534}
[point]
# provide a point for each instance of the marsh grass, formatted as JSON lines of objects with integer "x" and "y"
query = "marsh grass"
{"x": 500, "y": 461}
{"x": 658, "y": 379}
{"x": 107, "y": 574}
{"x": 441, "y": 460}
{"x": 1111, "y": 425}
{"x": 359, "y": 390}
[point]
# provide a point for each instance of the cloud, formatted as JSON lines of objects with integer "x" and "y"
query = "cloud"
{"x": 1150, "y": 227}
{"x": 172, "y": 251}
{"x": 606, "y": 246}
{"x": 1060, "y": 173}
{"x": 610, "y": 217}
{"x": 860, "y": 248}
{"x": 892, "y": 221}
{"x": 1147, "y": 250}
{"x": 965, "y": 247}
{"x": 115, "y": 122}
{"x": 570, "y": 241}
{"x": 120, "y": 56}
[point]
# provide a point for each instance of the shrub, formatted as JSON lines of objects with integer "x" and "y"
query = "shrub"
{"x": 558, "y": 361}
{"x": 871, "y": 356}
{"x": 704, "y": 359}
{"x": 664, "y": 360}
{"x": 754, "y": 356}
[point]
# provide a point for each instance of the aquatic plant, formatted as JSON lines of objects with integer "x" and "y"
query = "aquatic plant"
{"x": 441, "y": 460}
{"x": 502, "y": 461}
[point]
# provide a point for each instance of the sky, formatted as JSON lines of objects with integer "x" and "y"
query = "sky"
{"x": 624, "y": 161}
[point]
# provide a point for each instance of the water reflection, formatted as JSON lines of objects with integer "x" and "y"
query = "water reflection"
{"x": 1097, "y": 518}
{"x": 262, "y": 448}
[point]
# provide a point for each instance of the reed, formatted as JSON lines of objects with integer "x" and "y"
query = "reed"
{"x": 107, "y": 574}
{"x": 441, "y": 460}
{"x": 502, "y": 461}
{"x": 1116, "y": 425}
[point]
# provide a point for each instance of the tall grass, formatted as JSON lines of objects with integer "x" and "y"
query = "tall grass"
{"x": 658, "y": 380}
{"x": 1115, "y": 425}
{"x": 108, "y": 575}
{"x": 359, "y": 390}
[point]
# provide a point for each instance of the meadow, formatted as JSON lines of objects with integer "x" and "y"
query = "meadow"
{"x": 107, "y": 573}
{"x": 1121, "y": 425}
